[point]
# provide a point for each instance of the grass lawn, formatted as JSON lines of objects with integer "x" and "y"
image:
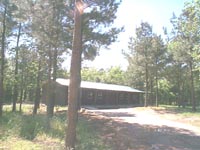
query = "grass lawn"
{"x": 185, "y": 115}
{"x": 187, "y": 111}
{"x": 23, "y": 131}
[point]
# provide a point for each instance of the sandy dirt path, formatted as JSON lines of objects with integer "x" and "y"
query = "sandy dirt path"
{"x": 144, "y": 129}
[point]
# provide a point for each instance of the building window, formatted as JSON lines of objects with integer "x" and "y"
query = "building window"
{"x": 99, "y": 95}
{"x": 90, "y": 95}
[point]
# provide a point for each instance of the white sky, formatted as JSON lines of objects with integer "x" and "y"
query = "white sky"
{"x": 130, "y": 14}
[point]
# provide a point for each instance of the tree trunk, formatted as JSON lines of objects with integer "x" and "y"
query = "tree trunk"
{"x": 15, "y": 96}
{"x": 22, "y": 90}
{"x": 20, "y": 99}
{"x": 146, "y": 81}
{"x": 52, "y": 88}
{"x": 49, "y": 88}
{"x": 151, "y": 97}
{"x": 75, "y": 78}
{"x": 54, "y": 75}
{"x": 157, "y": 104}
{"x": 37, "y": 97}
{"x": 53, "y": 63}
{"x": 2, "y": 61}
{"x": 192, "y": 87}
{"x": 179, "y": 86}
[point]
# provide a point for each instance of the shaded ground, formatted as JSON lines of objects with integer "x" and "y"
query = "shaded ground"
{"x": 144, "y": 129}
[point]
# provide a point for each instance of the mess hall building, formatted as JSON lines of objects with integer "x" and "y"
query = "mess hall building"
{"x": 93, "y": 93}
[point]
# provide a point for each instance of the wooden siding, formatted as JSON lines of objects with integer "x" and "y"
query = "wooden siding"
{"x": 94, "y": 96}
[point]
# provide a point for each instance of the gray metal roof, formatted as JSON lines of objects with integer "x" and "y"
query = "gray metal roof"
{"x": 100, "y": 86}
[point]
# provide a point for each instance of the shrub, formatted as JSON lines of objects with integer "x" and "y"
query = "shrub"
{"x": 29, "y": 127}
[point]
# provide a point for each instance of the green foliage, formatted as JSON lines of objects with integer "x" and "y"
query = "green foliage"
{"x": 174, "y": 63}
{"x": 147, "y": 57}
{"x": 45, "y": 36}
{"x": 97, "y": 27}
{"x": 165, "y": 91}
{"x": 113, "y": 75}
{"x": 29, "y": 127}
{"x": 183, "y": 48}
{"x": 92, "y": 74}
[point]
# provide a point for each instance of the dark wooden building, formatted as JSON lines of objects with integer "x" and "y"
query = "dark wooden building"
{"x": 95, "y": 93}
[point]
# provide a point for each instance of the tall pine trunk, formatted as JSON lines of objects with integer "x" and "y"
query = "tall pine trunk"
{"x": 146, "y": 88}
{"x": 179, "y": 86}
{"x": 151, "y": 97}
{"x": 49, "y": 87}
{"x": 157, "y": 103}
{"x": 15, "y": 96}
{"x": 2, "y": 61}
{"x": 22, "y": 88}
{"x": 52, "y": 85}
{"x": 54, "y": 62}
{"x": 75, "y": 78}
{"x": 192, "y": 87}
{"x": 21, "y": 98}
{"x": 54, "y": 55}
{"x": 37, "y": 95}
{"x": 54, "y": 77}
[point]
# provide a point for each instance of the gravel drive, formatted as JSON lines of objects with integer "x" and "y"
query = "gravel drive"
{"x": 145, "y": 129}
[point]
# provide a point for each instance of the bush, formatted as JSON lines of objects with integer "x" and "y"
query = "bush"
{"x": 25, "y": 131}
{"x": 29, "y": 127}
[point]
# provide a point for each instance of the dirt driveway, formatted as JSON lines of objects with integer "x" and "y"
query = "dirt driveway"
{"x": 144, "y": 129}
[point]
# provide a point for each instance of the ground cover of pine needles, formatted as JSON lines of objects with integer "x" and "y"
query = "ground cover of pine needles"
{"x": 23, "y": 131}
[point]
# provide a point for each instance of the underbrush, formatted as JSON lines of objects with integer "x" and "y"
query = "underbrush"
{"x": 23, "y": 131}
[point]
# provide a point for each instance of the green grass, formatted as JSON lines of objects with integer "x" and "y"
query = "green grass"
{"x": 185, "y": 115}
{"x": 88, "y": 142}
{"x": 23, "y": 131}
{"x": 179, "y": 110}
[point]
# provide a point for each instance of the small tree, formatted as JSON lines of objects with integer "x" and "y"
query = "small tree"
{"x": 140, "y": 48}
